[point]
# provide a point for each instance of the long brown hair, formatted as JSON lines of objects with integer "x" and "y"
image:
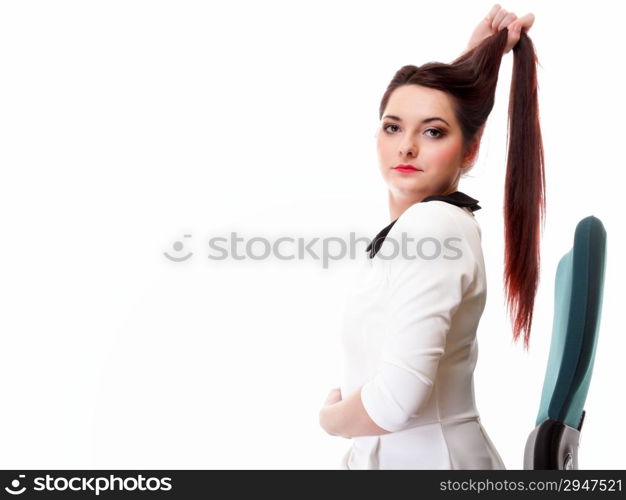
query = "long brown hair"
{"x": 471, "y": 82}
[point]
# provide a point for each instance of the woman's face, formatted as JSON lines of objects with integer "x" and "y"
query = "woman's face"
{"x": 419, "y": 128}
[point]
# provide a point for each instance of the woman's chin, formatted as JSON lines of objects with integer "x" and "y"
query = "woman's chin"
{"x": 410, "y": 189}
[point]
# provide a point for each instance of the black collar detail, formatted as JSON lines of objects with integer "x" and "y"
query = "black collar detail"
{"x": 457, "y": 198}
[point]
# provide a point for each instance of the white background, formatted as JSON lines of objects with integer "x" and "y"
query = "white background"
{"x": 125, "y": 125}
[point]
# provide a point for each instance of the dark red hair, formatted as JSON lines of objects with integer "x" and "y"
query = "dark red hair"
{"x": 471, "y": 82}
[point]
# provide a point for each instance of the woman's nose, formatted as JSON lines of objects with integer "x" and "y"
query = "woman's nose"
{"x": 408, "y": 148}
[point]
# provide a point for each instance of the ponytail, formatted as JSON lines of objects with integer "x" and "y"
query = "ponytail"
{"x": 524, "y": 191}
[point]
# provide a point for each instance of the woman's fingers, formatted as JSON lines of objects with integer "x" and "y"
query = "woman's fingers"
{"x": 523, "y": 22}
{"x": 497, "y": 19}
{"x": 515, "y": 28}
{"x": 507, "y": 20}
{"x": 527, "y": 21}
{"x": 334, "y": 396}
{"x": 492, "y": 13}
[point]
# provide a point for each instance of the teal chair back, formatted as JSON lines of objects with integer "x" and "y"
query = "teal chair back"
{"x": 579, "y": 285}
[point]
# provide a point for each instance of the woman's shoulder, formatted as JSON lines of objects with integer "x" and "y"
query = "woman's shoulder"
{"x": 433, "y": 240}
{"x": 438, "y": 227}
{"x": 435, "y": 206}
{"x": 435, "y": 216}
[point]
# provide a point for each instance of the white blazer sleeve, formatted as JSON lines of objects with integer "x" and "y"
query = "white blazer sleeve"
{"x": 427, "y": 285}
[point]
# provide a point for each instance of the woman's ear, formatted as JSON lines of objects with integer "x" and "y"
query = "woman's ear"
{"x": 473, "y": 147}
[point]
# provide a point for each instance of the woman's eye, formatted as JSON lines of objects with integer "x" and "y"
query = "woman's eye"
{"x": 386, "y": 127}
{"x": 435, "y": 130}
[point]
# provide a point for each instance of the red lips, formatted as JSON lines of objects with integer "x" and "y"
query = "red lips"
{"x": 406, "y": 168}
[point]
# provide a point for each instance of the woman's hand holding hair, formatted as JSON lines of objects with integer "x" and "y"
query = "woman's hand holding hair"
{"x": 498, "y": 19}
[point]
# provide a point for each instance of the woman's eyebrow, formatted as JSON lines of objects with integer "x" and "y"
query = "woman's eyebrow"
{"x": 426, "y": 120}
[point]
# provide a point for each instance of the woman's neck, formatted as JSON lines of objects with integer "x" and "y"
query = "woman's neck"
{"x": 397, "y": 205}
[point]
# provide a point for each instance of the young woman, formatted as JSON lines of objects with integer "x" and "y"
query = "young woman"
{"x": 407, "y": 399}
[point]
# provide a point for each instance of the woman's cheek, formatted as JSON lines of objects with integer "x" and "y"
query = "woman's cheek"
{"x": 385, "y": 156}
{"x": 445, "y": 155}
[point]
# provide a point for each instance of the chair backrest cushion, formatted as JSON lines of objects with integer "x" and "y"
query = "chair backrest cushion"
{"x": 578, "y": 295}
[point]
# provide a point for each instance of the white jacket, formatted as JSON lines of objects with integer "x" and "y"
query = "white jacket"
{"x": 409, "y": 339}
